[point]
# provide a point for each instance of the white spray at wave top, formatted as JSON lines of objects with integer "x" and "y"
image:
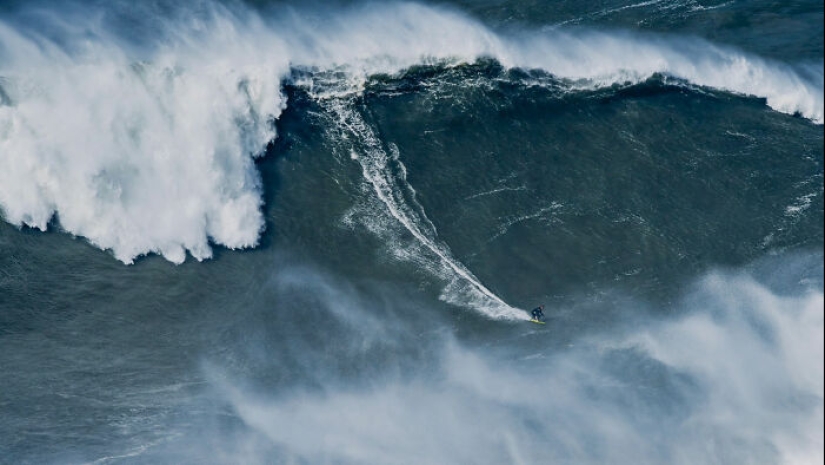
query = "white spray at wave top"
{"x": 138, "y": 156}
{"x": 150, "y": 149}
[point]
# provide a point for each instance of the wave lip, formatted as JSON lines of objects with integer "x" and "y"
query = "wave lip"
{"x": 595, "y": 59}
{"x": 390, "y": 38}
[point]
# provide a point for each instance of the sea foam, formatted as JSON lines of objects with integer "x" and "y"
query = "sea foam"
{"x": 737, "y": 376}
{"x": 149, "y": 147}
{"x": 138, "y": 155}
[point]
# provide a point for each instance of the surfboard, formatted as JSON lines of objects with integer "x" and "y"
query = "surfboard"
{"x": 536, "y": 322}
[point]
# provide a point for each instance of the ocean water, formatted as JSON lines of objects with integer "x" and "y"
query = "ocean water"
{"x": 312, "y": 232}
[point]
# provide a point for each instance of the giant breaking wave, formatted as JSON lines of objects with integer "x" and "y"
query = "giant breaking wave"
{"x": 148, "y": 145}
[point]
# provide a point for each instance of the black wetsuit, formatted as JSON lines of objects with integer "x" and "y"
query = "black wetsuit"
{"x": 537, "y": 314}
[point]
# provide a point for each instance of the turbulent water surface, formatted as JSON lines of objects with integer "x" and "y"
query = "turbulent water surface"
{"x": 312, "y": 232}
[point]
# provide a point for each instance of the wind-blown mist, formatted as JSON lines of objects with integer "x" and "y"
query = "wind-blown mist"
{"x": 149, "y": 147}
{"x": 737, "y": 378}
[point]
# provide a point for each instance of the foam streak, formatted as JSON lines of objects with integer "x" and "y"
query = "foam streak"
{"x": 374, "y": 163}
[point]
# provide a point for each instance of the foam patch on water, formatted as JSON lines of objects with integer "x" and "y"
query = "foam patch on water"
{"x": 149, "y": 147}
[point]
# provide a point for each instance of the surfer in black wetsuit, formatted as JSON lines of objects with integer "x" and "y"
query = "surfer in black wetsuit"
{"x": 538, "y": 313}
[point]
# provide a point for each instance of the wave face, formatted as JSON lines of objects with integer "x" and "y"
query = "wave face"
{"x": 408, "y": 180}
{"x": 149, "y": 148}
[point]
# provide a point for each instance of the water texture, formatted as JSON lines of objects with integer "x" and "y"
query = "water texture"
{"x": 311, "y": 233}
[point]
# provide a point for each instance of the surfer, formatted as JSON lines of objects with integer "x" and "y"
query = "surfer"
{"x": 538, "y": 313}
